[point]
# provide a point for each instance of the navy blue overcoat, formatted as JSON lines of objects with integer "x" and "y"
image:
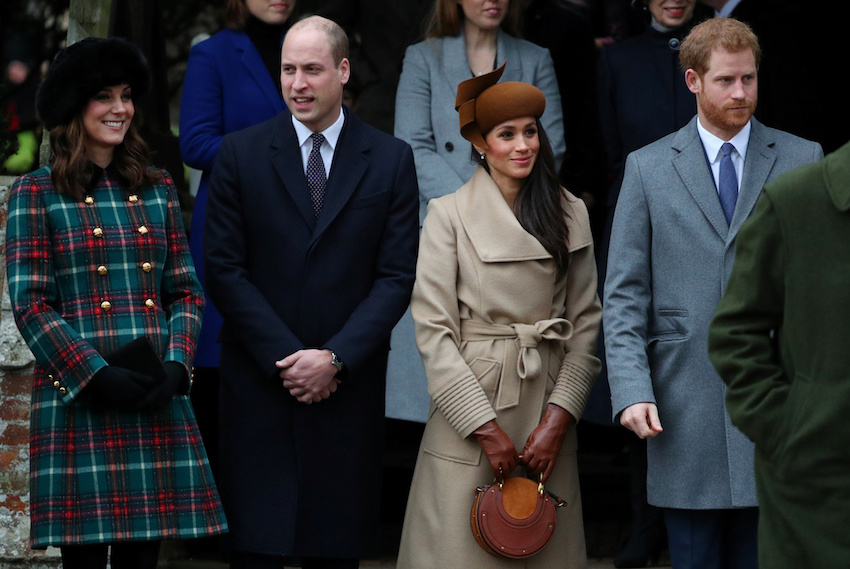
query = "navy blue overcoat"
{"x": 302, "y": 479}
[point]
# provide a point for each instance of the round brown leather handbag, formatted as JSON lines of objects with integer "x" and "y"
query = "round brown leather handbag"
{"x": 514, "y": 518}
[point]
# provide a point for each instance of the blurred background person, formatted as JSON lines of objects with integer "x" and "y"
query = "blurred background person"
{"x": 97, "y": 258}
{"x": 18, "y": 85}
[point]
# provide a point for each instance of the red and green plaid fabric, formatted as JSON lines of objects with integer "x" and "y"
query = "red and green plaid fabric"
{"x": 86, "y": 276}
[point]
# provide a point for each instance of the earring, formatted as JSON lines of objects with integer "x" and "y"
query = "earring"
{"x": 482, "y": 156}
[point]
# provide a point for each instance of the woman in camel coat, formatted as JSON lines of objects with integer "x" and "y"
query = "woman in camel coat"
{"x": 506, "y": 322}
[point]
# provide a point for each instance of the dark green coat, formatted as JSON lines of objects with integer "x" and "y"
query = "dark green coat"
{"x": 781, "y": 341}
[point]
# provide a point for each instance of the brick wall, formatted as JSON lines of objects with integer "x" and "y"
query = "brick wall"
{"x": 15, "y": 385}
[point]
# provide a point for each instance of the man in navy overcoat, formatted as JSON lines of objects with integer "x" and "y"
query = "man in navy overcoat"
{"x": 311, "y": 263}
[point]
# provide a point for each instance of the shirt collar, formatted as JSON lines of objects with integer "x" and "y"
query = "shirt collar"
{"x": 727, "y": 8}
{"x": 712, "y": 143}
{"x": 331, "y": 133}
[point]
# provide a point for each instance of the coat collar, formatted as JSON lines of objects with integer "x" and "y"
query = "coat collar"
{"x": 837, "y": 177}
{"x": 692, "y": 167}
{"x": 256, "y": 68}
{"x": 491, "y": 226}
{"x": 349, "y": 165}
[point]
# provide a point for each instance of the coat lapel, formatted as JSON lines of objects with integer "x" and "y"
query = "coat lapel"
{"x": 349, "y": 165}
{"x": 492, "y": 227}
{"x": 693, "y": 169}
{"x": 506, "y": 51}
{"x": 455, "y": 66}
{"x": 257, "y": 70}
{"x": 286, "y": 159}
{"x": 761, "y": 156}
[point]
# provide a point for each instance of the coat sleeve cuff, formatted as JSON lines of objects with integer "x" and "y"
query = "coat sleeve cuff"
{"x": 575, "y": 380}
{"x": 464, "y": 404}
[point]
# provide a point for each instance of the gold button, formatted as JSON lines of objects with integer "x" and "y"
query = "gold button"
{"x": 89, "y": 200}
{"x": 150, "y": 303}
{"x": 57, "y": 385}
{"x": 146, "y": 267}
{"x": 98, "y": 232}
{"x": 134, "y": 198}
{"x": 101, "y": 270}
{"x": 143, "y": 230}
{"x": 63, "y": 391}
{"x": 105, "y": 305}
{"x": 50, "y": 376}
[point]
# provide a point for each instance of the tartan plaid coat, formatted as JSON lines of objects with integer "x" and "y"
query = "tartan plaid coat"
{"x": 86, "y": 276}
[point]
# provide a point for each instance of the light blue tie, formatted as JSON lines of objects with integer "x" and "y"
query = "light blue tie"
{"x": 728, "y": 182}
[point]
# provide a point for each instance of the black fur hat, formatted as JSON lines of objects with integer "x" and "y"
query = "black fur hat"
{"x": 82, "y": 69}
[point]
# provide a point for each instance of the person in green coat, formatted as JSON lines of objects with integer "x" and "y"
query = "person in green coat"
{"x": 780, "y": 340}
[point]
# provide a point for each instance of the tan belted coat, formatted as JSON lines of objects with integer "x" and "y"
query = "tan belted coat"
{"x": 501, "y": 337}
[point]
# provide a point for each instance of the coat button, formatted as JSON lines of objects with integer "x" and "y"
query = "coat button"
{"x": 143, "y": 230}
{"x": 134, "y": 198}
{"x": 57, "y": 385}
{"x": 89, "y": 200}
{"x": 63, "y": 391}
{"x": 105, "y": 305}
{"x": 98, "y": 232}
{"x": 450, "y": 146}
{"x": 146, "y": 267}
{"x": 150, "y": 303}
{"x": 101, "y": 270}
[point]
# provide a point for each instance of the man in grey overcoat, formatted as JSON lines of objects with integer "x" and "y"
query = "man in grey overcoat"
{"x": 682, "y": 201}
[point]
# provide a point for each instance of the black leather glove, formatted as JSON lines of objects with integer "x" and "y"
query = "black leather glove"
{"x": 115, "y": 388}
{"x": 175, "y": 378}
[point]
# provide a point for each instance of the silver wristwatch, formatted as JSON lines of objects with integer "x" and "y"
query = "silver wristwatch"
{"x": 337, "y": 362}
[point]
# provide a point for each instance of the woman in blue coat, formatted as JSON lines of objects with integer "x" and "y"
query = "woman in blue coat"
{"x": 103, "y": 291}
{"x": 232, "y": 82}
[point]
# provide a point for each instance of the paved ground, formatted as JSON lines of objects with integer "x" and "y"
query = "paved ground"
{"x": 371, "y": 564}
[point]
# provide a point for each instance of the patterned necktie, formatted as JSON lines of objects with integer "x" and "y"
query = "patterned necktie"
{"x": 316, "y": 178}
{"x": 728, "y": 182}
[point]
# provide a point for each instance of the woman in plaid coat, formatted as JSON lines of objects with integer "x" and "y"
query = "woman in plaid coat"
{"x": 97, "y": 257}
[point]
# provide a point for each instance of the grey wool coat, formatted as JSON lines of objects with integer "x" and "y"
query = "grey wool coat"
{"x": 670, "y": 257}
{"x": 779, "y": 341}
{"x": 501, "y": 337}
{"x": 425, "y": 115}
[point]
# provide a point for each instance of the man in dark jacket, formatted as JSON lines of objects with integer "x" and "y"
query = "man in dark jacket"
{"x": 779, "y": 342}
{"x": 310, "y": 246}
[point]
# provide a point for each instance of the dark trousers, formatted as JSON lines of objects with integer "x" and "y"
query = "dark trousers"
{"x": 713, "y": 539}
{"x": 244, "y": 560}
{"x": 125, "y": 555}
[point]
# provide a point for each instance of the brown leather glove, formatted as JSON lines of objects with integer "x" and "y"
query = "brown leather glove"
{"x": 543, "y": 445}
{"x": 498, "y": 447}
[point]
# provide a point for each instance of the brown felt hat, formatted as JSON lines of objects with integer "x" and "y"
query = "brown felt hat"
{"x": 483, "y": 103}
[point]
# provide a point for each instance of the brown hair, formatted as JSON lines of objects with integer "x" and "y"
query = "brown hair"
{"x": 447, "y": 19}
{"x": 72, "y": 171}
{"x": 716, "y": 33}
{"x": 236, "y": 14}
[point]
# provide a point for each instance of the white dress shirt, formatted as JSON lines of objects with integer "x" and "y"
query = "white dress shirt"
{"x": 712, "y": 145}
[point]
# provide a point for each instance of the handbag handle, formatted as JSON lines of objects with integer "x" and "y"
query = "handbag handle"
{"x": 559, "y": 502}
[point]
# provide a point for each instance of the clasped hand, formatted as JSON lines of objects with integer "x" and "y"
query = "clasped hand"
{"x": 309, "y": 375}
{"x": 540, "y": 452}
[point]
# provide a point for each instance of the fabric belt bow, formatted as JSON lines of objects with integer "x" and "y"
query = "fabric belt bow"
{"x": 528, "y": 362}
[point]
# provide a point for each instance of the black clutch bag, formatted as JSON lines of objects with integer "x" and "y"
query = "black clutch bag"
{"x": 138, "y": 355}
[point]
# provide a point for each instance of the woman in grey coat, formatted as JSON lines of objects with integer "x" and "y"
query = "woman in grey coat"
{"x": 465, "y": 38}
